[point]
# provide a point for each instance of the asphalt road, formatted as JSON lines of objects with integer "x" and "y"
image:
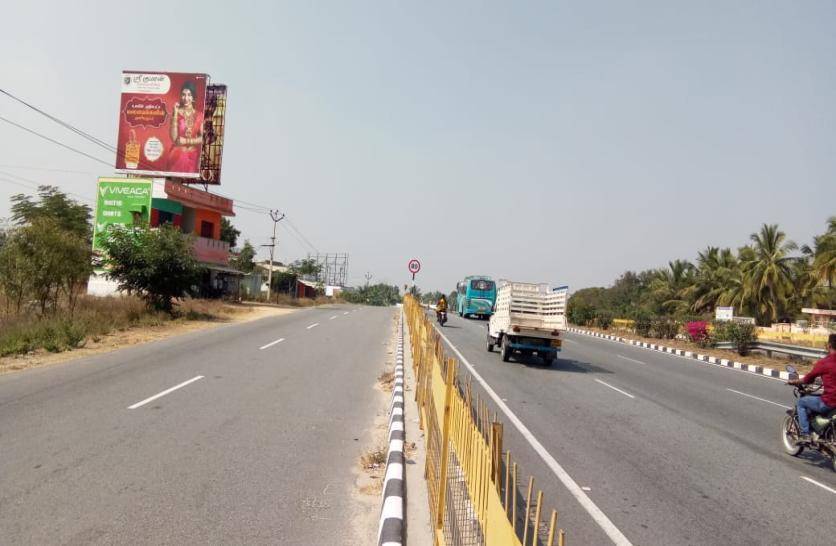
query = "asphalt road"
{"x": 670, "y": 450}
{"x": 259, "y": 445}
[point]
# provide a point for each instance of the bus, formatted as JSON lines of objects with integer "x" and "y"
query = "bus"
{"x": 476, "y": 296}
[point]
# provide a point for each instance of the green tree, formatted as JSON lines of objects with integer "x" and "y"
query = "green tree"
{"x": 229, "y": 233}
{"x": 307, "y": 268}
{"x": 769, "y": 272}
{"x": 245, "y": 259}
{"x": 44, "y": 262}
{"x": 376, "y": 294}
{"x": 669, "y": 290}
{"x": 56, "y": 206}
{"x": 156, "y": 264}
{"x": 822, "y": 255}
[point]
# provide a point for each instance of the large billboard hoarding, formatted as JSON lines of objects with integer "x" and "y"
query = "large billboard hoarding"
{"x": 121, "y": 201}
{"x": 213, "y": 134}
{"x": 161, "y": 125}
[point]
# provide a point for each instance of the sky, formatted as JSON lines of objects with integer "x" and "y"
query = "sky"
{"x": 561, "y": 142}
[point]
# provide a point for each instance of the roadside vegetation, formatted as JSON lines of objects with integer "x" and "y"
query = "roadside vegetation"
{"x": 45, "y": 261}
{"x": 770, "y": 279}
{"x": 375, "y": 294}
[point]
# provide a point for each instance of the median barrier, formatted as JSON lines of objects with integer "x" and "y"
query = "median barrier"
{"x": 475, "y": 496}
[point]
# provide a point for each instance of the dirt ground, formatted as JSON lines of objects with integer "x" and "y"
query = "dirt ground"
{"x": 230, "y": 314}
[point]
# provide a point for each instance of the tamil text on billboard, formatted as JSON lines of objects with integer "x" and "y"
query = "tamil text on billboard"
{"x": 161, "y": 126}
{"x": 121, "y": 201}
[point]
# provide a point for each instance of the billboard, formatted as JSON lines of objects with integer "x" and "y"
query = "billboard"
{"x": 121, "y": 201}
{"x": 213, "y": 134}
{"x": 161, "y": 125}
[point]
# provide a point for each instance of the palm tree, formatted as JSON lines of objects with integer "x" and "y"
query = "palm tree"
{"x": 823, "y": 254}
{"x": 669, "y": 289}
{"x": 769, "y": 272}
{"x": 735, "y": 291}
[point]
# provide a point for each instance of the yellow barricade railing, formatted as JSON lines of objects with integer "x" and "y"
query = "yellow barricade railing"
{"x": 474, "y": 494}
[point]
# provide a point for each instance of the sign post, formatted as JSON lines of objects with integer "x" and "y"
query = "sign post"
{"x": 414, "y": 267}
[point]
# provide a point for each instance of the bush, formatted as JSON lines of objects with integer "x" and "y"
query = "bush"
{"x": 580, "y": 314}
{"x": 603, "y": 319}
{"x": 642, "y": 325}
{"x": 698, "y": 332}
{"x": 741, "y": 335}
{"x": 665, "y": 327}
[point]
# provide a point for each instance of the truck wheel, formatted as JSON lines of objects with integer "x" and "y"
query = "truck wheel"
{"x": 548, "y": 360}
{"x": 490, "y": 345}
{"x": 506, "y": 350}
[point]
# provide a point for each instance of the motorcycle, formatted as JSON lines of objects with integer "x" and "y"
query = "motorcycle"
{"x": 441, "y": 317}
{"x": 823, "y": 426}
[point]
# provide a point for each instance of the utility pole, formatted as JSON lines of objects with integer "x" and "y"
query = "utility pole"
{"x": 368, "y": 278}
{"x": 274, "y": 215}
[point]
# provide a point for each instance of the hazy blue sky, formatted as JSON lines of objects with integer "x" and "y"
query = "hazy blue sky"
{"x": 553, "y": 141}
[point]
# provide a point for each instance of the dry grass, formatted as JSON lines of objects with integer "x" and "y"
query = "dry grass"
{"x": 373, "y": 459}
{"x": 386, "y": 380}
{"x": 93, "y": 318}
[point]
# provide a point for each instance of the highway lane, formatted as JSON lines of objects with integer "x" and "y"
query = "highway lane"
{"x": 258, "y": 445}
{"x": 672, "y": 451}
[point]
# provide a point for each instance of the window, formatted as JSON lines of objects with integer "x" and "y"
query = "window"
{"x": 164, "y": 217}
{"x": 482, "y": 285}
{"x": 207, "y": 229}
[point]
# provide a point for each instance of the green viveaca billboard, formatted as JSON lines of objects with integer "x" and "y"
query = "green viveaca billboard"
{"x": 121, "y": 201}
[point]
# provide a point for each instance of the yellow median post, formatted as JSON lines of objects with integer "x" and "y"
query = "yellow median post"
{"x": 445, "y": 440}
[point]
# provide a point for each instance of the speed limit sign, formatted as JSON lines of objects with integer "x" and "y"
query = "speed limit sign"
{"x": 414, "y": 267}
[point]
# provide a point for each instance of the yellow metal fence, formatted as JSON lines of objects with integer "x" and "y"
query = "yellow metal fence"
{"x": 475, "y": 496}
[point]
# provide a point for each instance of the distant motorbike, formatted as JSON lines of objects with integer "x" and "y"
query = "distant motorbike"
{"x": 823, "y": 426}
{"x": 441, "y": 317}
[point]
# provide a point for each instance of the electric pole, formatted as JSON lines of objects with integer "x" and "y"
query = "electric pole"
{"x": 368, "y": 278}
{"x": 274, "y": 215}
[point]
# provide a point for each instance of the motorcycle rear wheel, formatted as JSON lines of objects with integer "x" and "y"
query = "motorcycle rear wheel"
{"x": 789, "y": 433}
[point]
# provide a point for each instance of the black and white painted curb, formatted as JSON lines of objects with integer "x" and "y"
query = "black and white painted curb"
{"x": 391, "y": 528}
{"x": 751, "y": 368}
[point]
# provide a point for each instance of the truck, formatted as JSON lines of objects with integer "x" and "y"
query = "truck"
{"x": 528, "y": 320}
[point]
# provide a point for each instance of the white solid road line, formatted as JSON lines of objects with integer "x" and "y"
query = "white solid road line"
{"x": 814, "y": 482}
{"x": 761, "y": 399}
{"x": 167, "y": 391}
{"x": 591, "y": 508}
{"x": 615, "y": 388}
{"x": 569, "y": 341}
{"x": 271, "y": 344}
{"x": 632, "y": 360}
{"x": 314, "y": 325}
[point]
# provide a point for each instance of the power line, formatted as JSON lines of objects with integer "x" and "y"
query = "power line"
{"x": 28, "y": 130}
{"x": 47, "y": 169}
{"x": 64, "y": 124}
{"x": 34, "y": 184}
{"x": 293, "y": 226}
{"x": 240, "y": 204}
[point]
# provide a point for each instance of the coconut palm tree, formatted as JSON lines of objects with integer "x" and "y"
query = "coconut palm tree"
{"x": 769, "y": 272}
{"x": 822, "y": 255}
{"x": 669, "y": 289}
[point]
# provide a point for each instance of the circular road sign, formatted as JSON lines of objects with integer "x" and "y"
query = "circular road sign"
{"x": 414, "y": 266}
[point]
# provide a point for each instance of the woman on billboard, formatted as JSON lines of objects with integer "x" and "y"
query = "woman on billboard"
{"x": 186, "y": 133}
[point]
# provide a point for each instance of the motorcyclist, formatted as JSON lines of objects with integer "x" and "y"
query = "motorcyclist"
{"x": 441, "y": 306}
{"x": 809, "y": 405}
